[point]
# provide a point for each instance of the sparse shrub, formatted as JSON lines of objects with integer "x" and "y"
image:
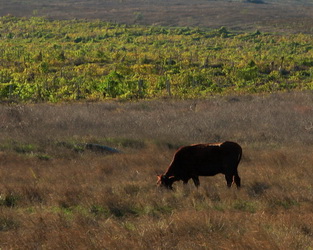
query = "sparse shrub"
{"x": 157, "y": 211}
{"x": 126, "y": 142}
{"x": 72, "y": 197}
{"x": 44, "y": 157}
{"x": 25, "y": 148}
{"x": 254, "y": 1}
{"x": 7, "y": 223}
{"x": 132, "y": 189}
{"x": 34, "y": 194}
{"x": 9, "y": 200}
{"x": 98, "y": 210}
{"x": 76, "y": 147}
{"x": 257, "y": 189}
{"x": 246, "y": 206}
{"x": 107, "y": 170}
{"x": 120, "y": 210}
{"x": 284, "y": 202}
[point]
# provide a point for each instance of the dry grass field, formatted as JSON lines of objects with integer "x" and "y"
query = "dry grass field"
{"x": 56, "y": 194}
{"x": 273, "y": 15}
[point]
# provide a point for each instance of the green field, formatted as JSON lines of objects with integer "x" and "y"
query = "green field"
{"x": 95, "y": 60}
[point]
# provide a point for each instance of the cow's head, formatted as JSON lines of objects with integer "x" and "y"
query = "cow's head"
{"x": 165, "y": 181}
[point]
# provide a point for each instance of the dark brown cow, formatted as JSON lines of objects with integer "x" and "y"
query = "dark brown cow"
{"x": 192, "y": 161}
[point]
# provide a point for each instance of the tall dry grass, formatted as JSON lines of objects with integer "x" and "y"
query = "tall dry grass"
{"x": 54, "y": 193}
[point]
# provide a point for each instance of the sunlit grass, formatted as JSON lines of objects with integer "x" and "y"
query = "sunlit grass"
{"x": 71, "y": 198}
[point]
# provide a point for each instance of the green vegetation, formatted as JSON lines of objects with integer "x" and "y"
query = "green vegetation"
{"x": 44, "y": 60}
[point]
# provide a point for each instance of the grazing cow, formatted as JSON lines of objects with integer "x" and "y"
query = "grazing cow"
{"x": 192, "y": 161}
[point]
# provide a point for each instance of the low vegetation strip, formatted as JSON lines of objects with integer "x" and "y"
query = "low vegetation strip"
{"x": 95, "y": 60}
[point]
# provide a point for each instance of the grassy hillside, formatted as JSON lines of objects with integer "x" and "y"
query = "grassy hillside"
{"x": 44, "y": 60}
{"x": 55, "y": 193}
{"x": 274, "y": 15}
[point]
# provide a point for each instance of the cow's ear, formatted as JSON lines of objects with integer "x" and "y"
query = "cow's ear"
{"x": 171, "y": 177}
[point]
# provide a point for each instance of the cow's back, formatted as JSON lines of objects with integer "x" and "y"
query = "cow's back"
{"x": 195, "y": 159}
{"x": 199, "y": 157}
{"x": 232, "y": 151}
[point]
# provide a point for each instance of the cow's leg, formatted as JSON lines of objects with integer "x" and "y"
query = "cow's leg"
{"x": 229, "y": 180}
{"x": 185, "y": 181}
{"x": 196, "y": 181}
{"x": 237, "y": 180}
